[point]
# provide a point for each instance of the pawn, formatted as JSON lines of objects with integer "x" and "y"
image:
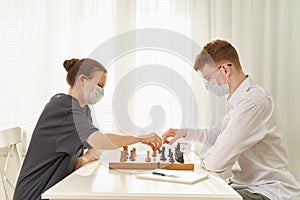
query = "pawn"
{"x": 134, "y": 151}
{"x": 172, "y": 160}
{"x": 148, "y": 159}
{"x": 125, "y": 148}
{"x": 123, "y": 156}
{"x": 132, "y": 156}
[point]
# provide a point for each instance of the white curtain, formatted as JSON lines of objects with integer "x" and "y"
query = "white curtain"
{"x": 37, "y": 36}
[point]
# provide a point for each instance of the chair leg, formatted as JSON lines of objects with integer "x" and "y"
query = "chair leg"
{"x": 13, "y": 152}
{"x": 2, "y": 184}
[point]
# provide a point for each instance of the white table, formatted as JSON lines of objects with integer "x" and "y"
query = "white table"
{"x": 96, "y": 181}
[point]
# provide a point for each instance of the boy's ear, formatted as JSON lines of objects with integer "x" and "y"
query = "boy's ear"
{"x": 226, "y": 68}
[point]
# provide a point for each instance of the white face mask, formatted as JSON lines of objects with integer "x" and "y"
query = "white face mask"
{"x": 95, "y": 96}
{"x": 218, "y": 90}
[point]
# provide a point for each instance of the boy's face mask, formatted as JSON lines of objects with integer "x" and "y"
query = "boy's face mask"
{"x": 218, "y": 90}
{"x": 214, "y": 87}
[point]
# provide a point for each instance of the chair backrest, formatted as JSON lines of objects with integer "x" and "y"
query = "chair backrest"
{"x": 10, "y": 138}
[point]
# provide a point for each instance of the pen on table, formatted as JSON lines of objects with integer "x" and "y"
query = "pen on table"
{"x": 163, "y": 174}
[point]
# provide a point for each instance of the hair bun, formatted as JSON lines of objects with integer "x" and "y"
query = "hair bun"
{"x": 68, "y": 64}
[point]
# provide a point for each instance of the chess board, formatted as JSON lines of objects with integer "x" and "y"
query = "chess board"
{"x": 151, "y": 165}
{"x": 155, "y": 163}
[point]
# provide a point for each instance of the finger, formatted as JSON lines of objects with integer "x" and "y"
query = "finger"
{"x": 159, "y": 142}
{"x": 151, "y": 145}
{"x": 169, "y": 133}
{"x": 166, "y": 136}
{"x": 157, "y": 146}
{"x": 159, "y": 138}
{"x": 173, "y": 140}
{"x": 166, "y": 141}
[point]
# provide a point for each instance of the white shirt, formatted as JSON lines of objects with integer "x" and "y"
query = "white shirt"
{"x": 250, "y": 142}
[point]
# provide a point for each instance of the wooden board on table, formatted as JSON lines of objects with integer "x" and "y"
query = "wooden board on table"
{"x": 151, "y": 165}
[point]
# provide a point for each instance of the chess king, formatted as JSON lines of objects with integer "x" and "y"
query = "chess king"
{"x": 248, "y": 140}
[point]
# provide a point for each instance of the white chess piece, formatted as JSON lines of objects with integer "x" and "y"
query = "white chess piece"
{"x": 148, "y": 159}
{"x": 123, "y": 156}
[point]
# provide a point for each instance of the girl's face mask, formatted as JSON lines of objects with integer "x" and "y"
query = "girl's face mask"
{"x": 94, "y": 96}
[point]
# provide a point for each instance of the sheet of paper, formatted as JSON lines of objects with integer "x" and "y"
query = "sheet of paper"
{"x": 175, "y": 176}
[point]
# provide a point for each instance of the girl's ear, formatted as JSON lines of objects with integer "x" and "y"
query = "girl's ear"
{"x": 81, "y": 79}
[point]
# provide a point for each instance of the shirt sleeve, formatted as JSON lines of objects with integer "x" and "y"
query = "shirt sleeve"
{"x": 204, "y": 136}
{"x": 75, "y": 129}
{"x": 83, "y": 124}
{"x": 244, "y": 130}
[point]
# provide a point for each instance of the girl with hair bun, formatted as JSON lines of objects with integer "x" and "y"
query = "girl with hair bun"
{"x": 65, "y": 128}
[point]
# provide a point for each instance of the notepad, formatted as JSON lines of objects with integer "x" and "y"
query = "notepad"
{"x": 175, "y": 176}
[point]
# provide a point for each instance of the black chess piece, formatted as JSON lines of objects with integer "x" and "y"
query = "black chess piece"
{"x": 169, "y": 155}
{"x": 177, "y": 148}
{"x": 163, "y": 157}
{"x": 171, "y": 158}
{"x": 178, "y": 154}
{"x": 179, "y": 157}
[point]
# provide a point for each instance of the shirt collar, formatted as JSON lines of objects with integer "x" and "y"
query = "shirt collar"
{"x": 238, "y": 93}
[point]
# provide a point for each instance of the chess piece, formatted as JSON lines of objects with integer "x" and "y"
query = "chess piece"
{"x": 132, "y": 155}
{"x": 177, "y": 148}
{"x": 171, "y": 158}
{"x": 163, "y": 157}
{"x": 178, "y": 154}
{"x": 154, "y": 153}
{"x": 170, "y": 151}
{"x": 148, "y": 159}
{"x": 179, "y": 158}
{"x": 123, "y": 156}
{"x": 125, "y": 148}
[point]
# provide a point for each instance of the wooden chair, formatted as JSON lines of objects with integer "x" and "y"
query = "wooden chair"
{"x": 9, "y": 138}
